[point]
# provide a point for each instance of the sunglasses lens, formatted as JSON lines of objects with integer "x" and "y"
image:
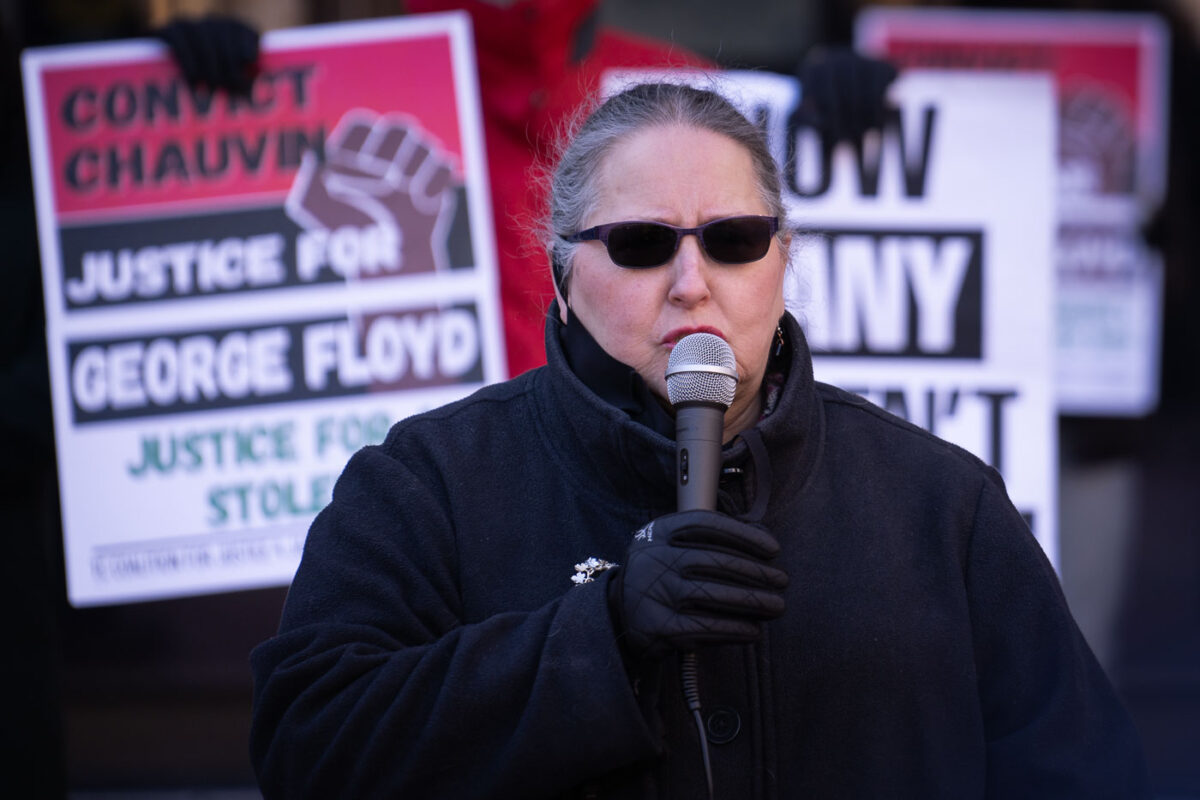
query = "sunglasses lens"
{"x": 641, "y": 244}
{"x": 738, "y": 240}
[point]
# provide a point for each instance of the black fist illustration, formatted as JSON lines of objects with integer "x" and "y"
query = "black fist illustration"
{"x": 380, "y": 172}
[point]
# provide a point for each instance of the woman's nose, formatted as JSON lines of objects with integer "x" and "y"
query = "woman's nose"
{"x": 689, "y": 273}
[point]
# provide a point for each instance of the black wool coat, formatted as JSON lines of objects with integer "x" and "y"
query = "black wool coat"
{"x": 433, "y": 643}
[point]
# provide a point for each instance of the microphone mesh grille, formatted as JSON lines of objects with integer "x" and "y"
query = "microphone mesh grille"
{"x": 701, "y": 352}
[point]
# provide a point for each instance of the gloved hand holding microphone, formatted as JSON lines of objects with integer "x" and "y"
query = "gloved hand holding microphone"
{"x": 694, "y": 578}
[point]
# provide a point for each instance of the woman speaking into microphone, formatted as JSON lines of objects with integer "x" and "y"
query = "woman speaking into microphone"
{"x": 497, "y": 600}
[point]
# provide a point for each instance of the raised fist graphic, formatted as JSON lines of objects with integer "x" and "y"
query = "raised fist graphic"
{"x": 1097, "y": 143}
{"x": 384, "y": 172}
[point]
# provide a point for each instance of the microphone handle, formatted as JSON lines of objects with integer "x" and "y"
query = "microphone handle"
{"x": 698, "y": 431}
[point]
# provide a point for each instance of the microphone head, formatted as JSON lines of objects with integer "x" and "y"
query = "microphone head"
{"x": 701, "y": 369}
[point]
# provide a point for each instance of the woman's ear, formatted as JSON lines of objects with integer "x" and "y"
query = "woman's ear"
{"x": 556, "y": 270}
{"x": 784, "y": 238}
{"x": 562, "y": 305}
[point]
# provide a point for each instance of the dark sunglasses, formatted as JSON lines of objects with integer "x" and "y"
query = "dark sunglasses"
{"x": 640, "y": 245}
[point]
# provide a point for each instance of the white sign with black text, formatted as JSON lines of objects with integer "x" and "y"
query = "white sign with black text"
{"x": 923, "y": 261}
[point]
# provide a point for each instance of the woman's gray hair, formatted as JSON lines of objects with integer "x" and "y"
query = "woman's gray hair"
{"x": 573, "y": 190}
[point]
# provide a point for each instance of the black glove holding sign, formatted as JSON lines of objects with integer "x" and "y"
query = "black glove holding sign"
{"x": 843, "y": 94}
{"x": 693, "y": 578}
{"x": 214, "y": 51}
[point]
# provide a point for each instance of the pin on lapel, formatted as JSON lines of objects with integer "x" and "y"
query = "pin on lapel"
{"x": 585, "y": 571}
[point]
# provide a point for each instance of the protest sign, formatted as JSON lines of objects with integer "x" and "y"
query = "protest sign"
{"x": 1110, "y": 72}
{"x": 922, "y": 260}
{"x": 241, "y": 291}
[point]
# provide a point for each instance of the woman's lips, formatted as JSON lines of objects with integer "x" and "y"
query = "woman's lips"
{"x": 673, "y": 336}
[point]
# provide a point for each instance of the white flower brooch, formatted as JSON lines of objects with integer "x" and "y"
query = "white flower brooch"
{"x": 585, "y": 571}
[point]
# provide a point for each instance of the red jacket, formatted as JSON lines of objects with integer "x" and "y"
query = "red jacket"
{"x": 537, "y": 63}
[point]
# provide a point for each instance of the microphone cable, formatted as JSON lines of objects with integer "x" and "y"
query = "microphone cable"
{"x": 689, "y": 678}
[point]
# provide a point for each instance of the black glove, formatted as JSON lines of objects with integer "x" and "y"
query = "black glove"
{"x": 843, "y": 94}
{"x": 219, "y": 52}
{"x": 693, "y": 578}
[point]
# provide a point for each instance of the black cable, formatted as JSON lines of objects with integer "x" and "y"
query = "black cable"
{"x": 688, "y": 676}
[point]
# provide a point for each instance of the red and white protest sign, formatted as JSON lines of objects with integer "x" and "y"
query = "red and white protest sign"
{"x": 1110, "y": 74}
{"x": 242, "y": 290}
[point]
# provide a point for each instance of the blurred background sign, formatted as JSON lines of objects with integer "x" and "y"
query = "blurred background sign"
{"x": 1111, "y": 76}
{"x": 243, "y": 290}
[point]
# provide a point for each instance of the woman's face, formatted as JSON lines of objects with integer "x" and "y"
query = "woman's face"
{"x": 683, "y": 176}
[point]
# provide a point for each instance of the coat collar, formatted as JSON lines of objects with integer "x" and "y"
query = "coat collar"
{"x": 632, "y": 461}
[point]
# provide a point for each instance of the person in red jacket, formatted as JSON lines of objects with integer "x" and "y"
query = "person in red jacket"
{"x": 538, "y": 60}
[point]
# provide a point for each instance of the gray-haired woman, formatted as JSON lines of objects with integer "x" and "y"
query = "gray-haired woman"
{"x": 495, "y": 602}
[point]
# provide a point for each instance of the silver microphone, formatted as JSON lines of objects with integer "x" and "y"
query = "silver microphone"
{"x": 701, "y": 381}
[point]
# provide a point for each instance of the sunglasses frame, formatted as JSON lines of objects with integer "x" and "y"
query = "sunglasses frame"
{"x": 600, "y": 233}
